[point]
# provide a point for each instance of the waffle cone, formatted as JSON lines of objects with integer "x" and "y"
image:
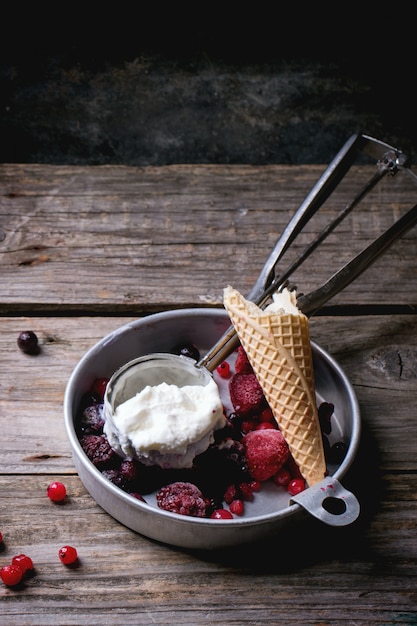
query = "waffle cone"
{"x": 278, "y": 347}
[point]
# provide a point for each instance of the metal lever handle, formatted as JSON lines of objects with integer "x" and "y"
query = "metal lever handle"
{"x": 390, "y": 160}
{"x": 311, "y": 302}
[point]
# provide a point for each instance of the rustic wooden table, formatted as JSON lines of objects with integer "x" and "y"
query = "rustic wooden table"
{"x": 86, "y": 249}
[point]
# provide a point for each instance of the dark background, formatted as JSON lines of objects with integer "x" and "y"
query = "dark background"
{"x": 258, "y": 86}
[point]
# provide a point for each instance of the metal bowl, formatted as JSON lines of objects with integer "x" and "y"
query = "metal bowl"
{"x": 268, "y": 513}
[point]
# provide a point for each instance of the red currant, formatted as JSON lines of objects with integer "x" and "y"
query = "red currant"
{"x": 223, "y": 370}
{"x": 99, "y": 386}
{"x": 237, "y": 507}
{"x": 56, "y": 491}
{"x": 230, "y": 494}
{"x": 24, "y": 562}
{"x": 265, "y": 426}
{"x": 246, "y": 491}
{"x": 267, "y": 416}
{"x": 221, "y": 514}
{"x": 282, "y": 477}
{"x": 1, "y": 538}
{"x": 297, "y": 485}
{"x": 68, "y": 555}
{"x": 248, "y": 425}
{"x": 11, "y": 575}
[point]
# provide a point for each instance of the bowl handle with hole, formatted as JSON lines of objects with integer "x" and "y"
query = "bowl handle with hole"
{"x": 330, "y": 502}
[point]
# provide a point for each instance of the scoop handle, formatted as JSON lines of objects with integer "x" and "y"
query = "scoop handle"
{"x": 329, "y": 502}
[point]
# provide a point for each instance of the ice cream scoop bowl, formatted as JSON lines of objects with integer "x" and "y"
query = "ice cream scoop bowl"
{"x": 271, "y": 509}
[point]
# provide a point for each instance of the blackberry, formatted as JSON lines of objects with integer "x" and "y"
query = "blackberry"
{"x": 183, "y": 498}
{"x": 91, "y": 421}
{"x": 189, "y": 350}
{"x": 98, "y": 450}
{"x": 325, "y": 412}
{"x": 116, "y": 477}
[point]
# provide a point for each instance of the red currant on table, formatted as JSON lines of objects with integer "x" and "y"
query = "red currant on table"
{"x": 11, "y": 575}
{"x": 223, "y": 370}
{"x": 56, "y": 491}
{"x": 68, "y": 555}
{"x": 28, "y": 342}
{"x": 24, "y": 562}
{"x": 295, "y": 486}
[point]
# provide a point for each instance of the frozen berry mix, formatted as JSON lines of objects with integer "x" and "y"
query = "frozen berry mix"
{"x": 266, "y": 453}
{"x": 246, "y": 453}
{"x": 183, "y": 498}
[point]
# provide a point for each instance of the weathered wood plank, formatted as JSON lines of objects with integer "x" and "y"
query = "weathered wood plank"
{"x": 126, "y": 233}
{"x": 129, "y": 579}
{"x": 379, "y": 357}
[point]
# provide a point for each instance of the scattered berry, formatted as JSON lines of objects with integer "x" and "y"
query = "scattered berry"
{"x": 230, "y": 494}
{"x": 223, "y": 370}
{"x": 183, "y": 498}
{"x": 247, "y": 489}
{"x": 249, "y": 424}
{"x": 24, "y": 562}
{"x": 98, "y": 450}
{"x": 265, "y": 426}
{"x": 221, "y": 514}
{"x": 325, "y": 412}
{"x": 99, "y": 386}
{"x": 266, "y": 452}
{"x": 242, "y": 363}
{"x": 246, "y": 395}
{"x": 68, "y": 555}
{"x": 267, "y": 416}
{"x": 56, "y": 491}
{"x": 282, "y": 477}
{"x": 237, "y": 507}
{"x": 138, "y": 496}
{"x": 28, "y": 342}
{"x": 295, "y": 486}
{"x": 189, "y": 350}
{"x": 11, "y": 575}
{"x": 338, "y": 452}
{"x": 92, "y": 420}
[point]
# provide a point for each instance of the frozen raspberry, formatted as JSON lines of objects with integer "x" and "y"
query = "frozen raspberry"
{"x": 266, "y": 452}
{"x": 246, "y": 395}
{"x": 183, "y": 498}
{"x": 242, "y": 363}
{"x": 98, "y": 450}
{"x": 91, "y": 421}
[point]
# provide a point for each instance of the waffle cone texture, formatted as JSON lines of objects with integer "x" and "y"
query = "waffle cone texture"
{"x": 279, "y": 350}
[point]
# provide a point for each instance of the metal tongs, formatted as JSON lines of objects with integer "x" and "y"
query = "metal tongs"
{"x": 390, "y": 160}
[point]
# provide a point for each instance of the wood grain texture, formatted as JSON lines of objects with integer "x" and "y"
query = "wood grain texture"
{"x": 84, "y": 251}
{"x": 127, "y": 232}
